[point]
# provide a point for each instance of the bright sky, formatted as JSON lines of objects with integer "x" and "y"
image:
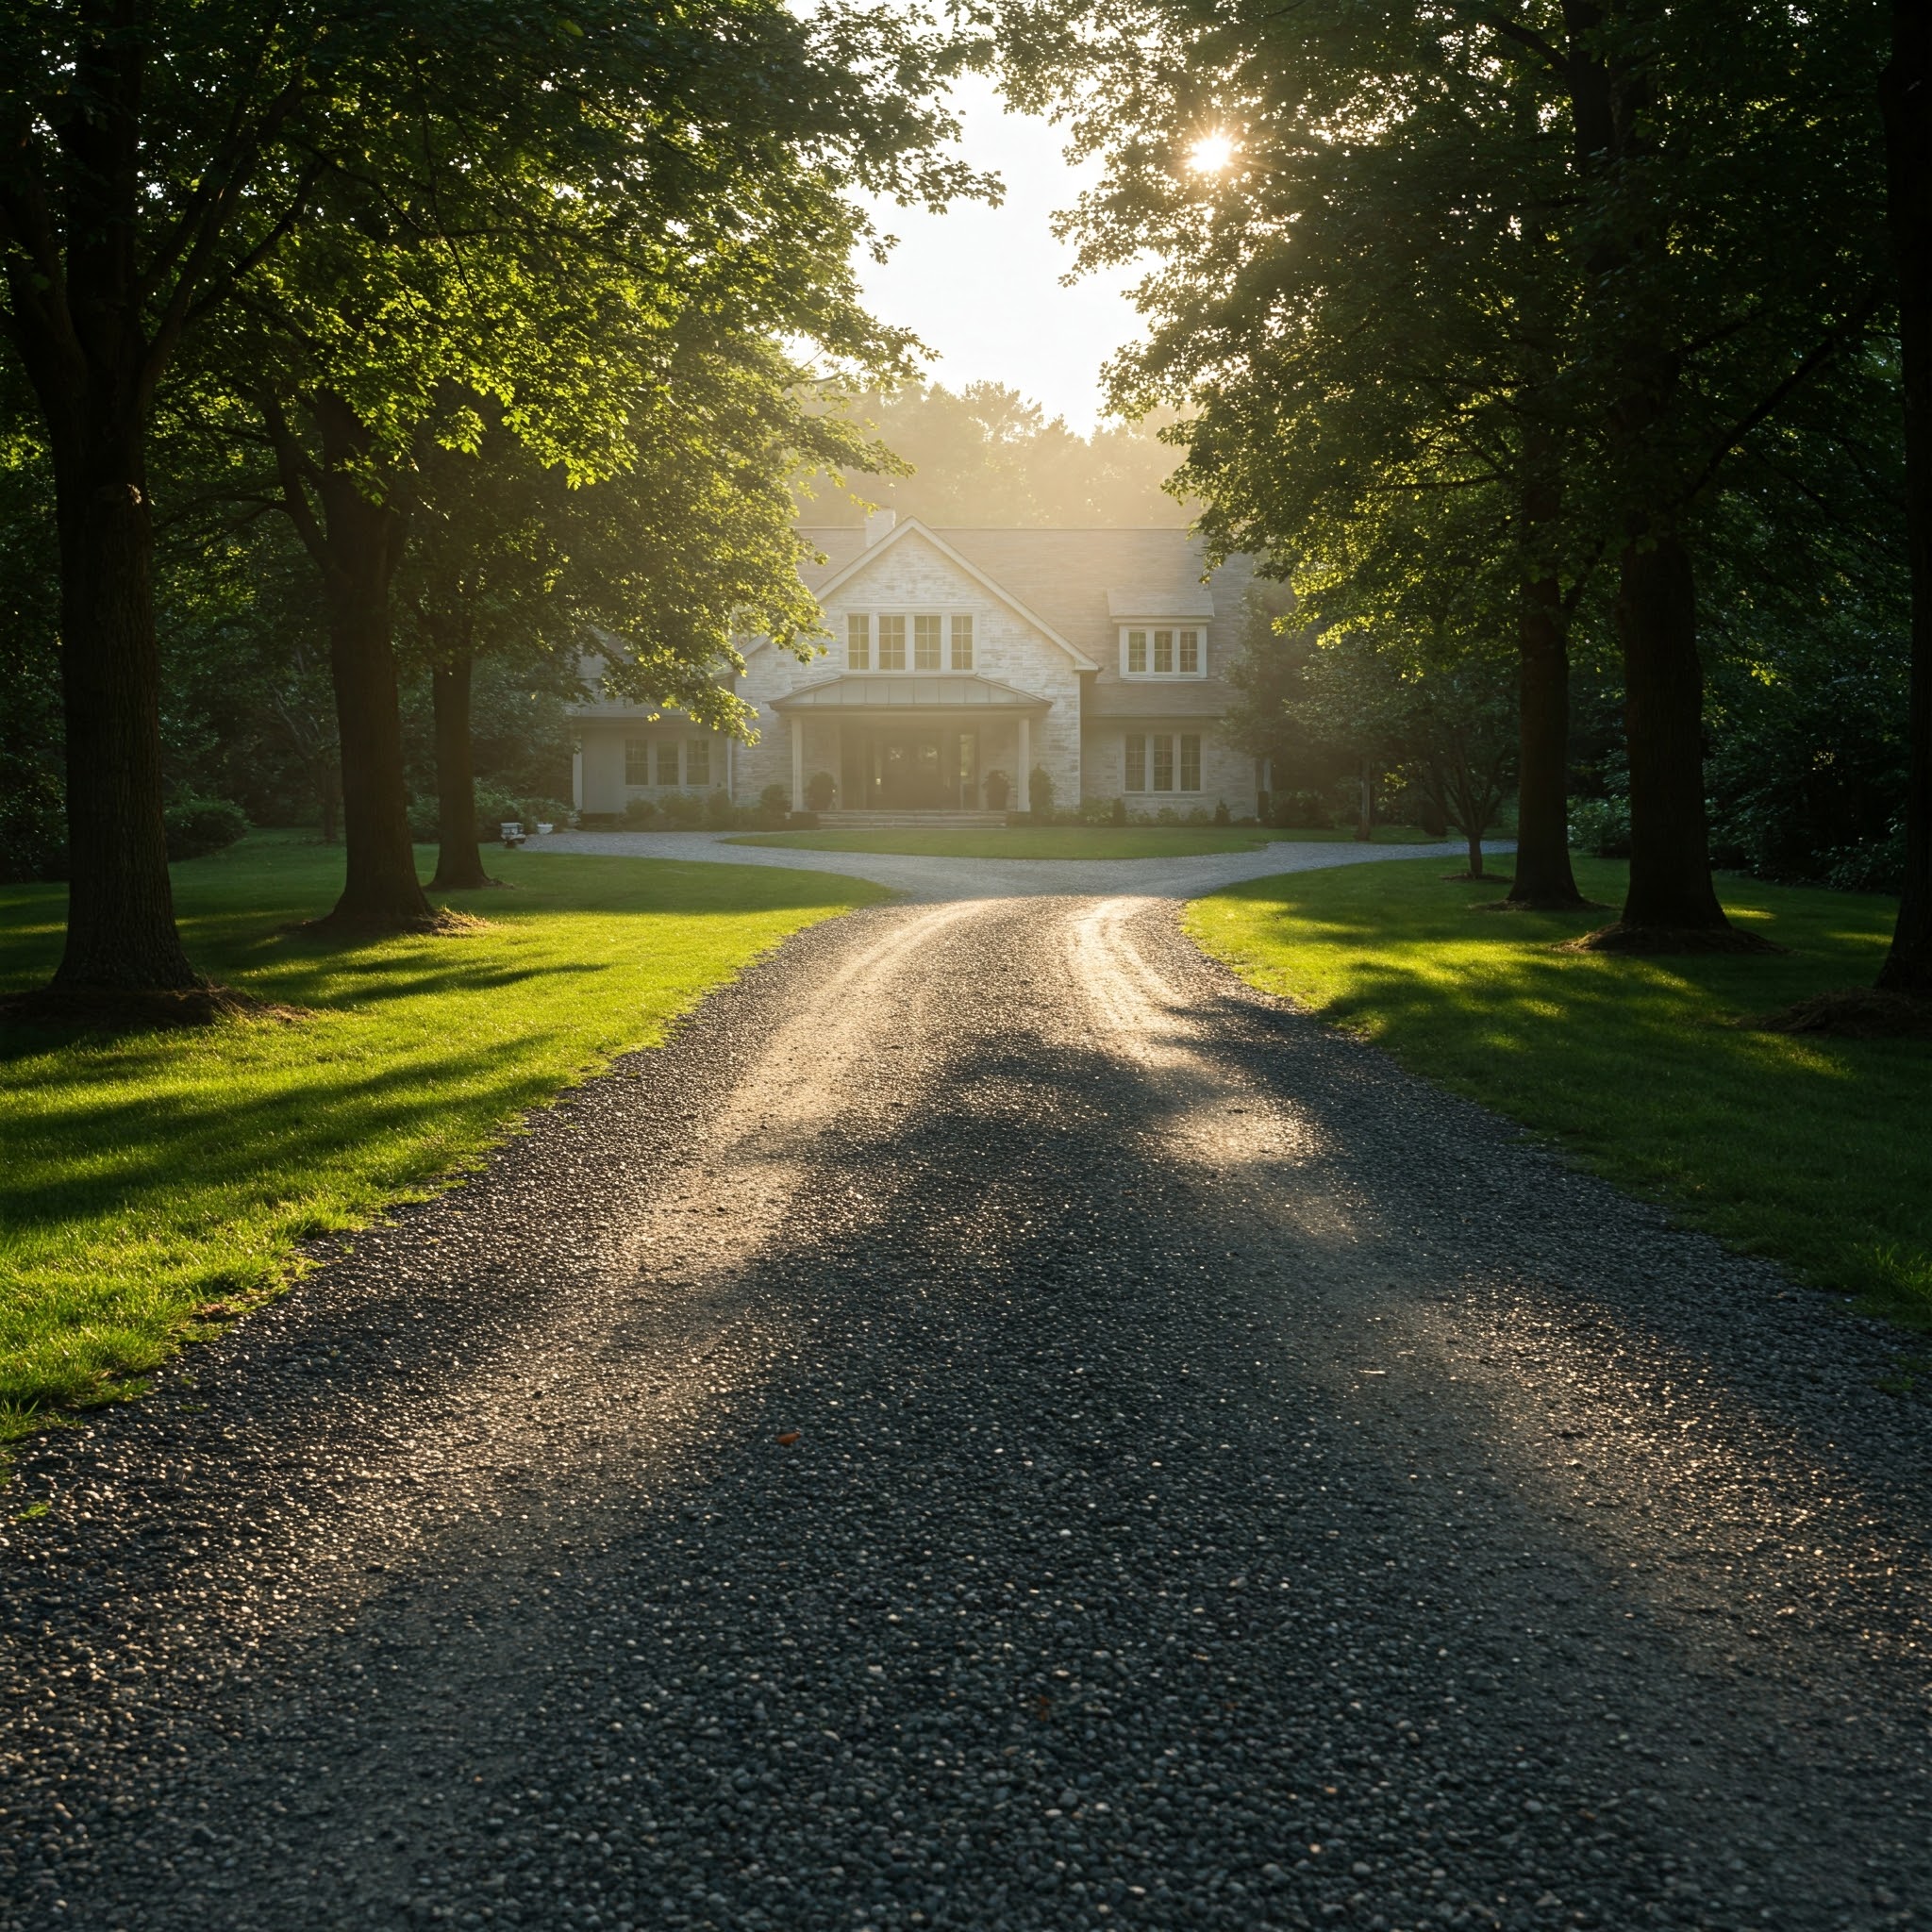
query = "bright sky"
{"x": 981, "y": 286}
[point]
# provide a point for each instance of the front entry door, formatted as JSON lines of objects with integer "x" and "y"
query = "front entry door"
{"x": 910, "y": 778}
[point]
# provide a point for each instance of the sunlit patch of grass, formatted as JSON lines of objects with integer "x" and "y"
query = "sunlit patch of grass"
{"x": 1809, "y": 1150}
{"x": 145, "y": 1177}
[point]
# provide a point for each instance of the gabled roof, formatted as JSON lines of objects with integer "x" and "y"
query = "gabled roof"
{"x": 871, "y": 553}
{"x": 893, "y": 690}
{"x": 1070, "y": 577}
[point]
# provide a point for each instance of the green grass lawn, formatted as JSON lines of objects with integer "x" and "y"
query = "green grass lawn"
{"x": 1812, "y": 1151}
{"x": 1064, "y": 842}
{"x": 145, "y": 1176}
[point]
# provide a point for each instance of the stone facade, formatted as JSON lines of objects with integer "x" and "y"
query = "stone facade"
{"x": 1044, "y": 683}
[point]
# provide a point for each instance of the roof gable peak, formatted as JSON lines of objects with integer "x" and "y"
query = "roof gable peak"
{"x": 901, "y": 533}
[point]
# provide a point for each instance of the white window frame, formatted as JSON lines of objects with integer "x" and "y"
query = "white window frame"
{"x": 865, "y": 641}
{"x": 693, "y": 748}
{"x": 1145, "y": 639}
{"x": 1161, "y": 750}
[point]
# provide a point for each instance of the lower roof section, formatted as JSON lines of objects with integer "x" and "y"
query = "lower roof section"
{"x": 899, "y": 691}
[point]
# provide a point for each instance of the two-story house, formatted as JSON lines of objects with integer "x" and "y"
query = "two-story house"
{"x": 960, "y": 662}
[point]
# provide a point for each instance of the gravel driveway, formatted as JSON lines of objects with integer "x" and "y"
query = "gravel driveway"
{"x": 920, "y": 877}
{"x": 996, "y": 1426}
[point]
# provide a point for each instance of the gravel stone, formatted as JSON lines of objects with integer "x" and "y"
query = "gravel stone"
{"x": 996, "y": 1426}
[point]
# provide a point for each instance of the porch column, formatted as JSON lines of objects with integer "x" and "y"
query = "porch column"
{"x": 798, "y": 725}
{"x": 1025, "y": 786}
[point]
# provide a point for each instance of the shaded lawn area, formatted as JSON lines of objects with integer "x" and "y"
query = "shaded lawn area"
{"x": 147, "y": 1175}
{"x": 1810, "y": 1151}
{"x": 1067, "y": 842}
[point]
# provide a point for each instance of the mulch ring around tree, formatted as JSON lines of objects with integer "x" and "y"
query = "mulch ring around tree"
{"x": 115, "y": 1010}
{"x": 1852, "y": 1012}
{"x": 444, "y": 921}
{"x": 1620, "y": 938}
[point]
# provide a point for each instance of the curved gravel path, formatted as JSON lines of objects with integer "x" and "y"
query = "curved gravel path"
{"x": 996, "y": 1426}
{"x": 918, "y": 876}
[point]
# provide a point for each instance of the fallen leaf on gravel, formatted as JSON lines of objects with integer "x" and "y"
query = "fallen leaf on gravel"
{"x": 790, "y": 1437}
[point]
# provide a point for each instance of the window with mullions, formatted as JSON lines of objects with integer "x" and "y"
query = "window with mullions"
{"x": 892, "y": 644}
{"x": 637, "y": 761}
{"x": 925, "y": 643}
{"x": 667, "y": 761}
{"x": 1160, "y": 651}
{"x": 963, "y": 644}
{"x": 697, "y": 761}
{"x": 1163, "y": 761}
{"x": 857, "y": 642}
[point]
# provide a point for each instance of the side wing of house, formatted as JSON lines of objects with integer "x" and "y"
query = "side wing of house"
{"x": 627, "y": 751}
{"x": 1133, "y": 602}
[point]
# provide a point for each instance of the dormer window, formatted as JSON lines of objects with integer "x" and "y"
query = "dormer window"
{"x": 1161, "y": 650}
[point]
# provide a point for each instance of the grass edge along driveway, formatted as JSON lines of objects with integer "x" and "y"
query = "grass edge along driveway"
{"x": 1812, "y": 1152}
{"x": 153, "y": 1183}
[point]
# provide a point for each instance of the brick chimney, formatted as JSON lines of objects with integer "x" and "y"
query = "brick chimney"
{"x": 878, "y": 523}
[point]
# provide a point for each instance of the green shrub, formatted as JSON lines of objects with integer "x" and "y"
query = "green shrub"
{"x": 197, "y": 827}
{"x": 802, "y": 820}
{"x": 721, "y": 815}
{"x": 1117, "y": 812}
{"x": 1221, "y": 814}
{"x": 1040, "y": 795}
{"x": 494, "y": 807}
{"x": 998, "y": 790}
{"x": 545, "y": 811}
{"x": 639, "y": 814}
{"x": 1601, "y": 826}
{"x": 683, "y": 810}
{"x": 820, "y": 789}
{"x": 1307, "y": 810}
{"x": 1099, "y": 811}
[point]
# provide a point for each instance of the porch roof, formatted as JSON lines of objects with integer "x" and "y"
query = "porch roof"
{"x": 896, "y": 691}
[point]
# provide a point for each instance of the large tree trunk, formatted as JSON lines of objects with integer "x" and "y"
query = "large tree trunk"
{"x": 80, "y": 332}
{"x": 1543, "y": 877}
{"x": 328, "y": 794}
{"x": 1663, "y": 720}
{"x": 1611, "y": 124}
{"x": 1906, "y": 94}
{"x": 121, "y": 910}
{"x": 363, "y": 539}
{"x": 459, "y": 862}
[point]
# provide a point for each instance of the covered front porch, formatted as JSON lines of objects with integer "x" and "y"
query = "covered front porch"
{"x": 900, "y": 746}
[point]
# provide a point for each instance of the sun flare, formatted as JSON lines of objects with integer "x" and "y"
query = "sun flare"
{"x": 1210, "y": 154}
